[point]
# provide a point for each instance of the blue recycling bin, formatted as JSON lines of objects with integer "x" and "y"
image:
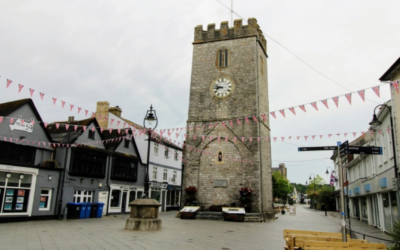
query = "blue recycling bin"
{"x": 88, "y": 207}
{"x": 100, "y": 206}
{"x": 82, "y": 215}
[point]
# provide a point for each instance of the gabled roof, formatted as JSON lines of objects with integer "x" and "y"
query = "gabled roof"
{"x": 61, "y": 134}
{"x": 112, "y": 146}
{"x": 388, "y": 73}
{"x": 9, "y": 107}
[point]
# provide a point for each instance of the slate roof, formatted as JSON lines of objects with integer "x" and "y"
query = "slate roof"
{"x": 387, "y": 75}
{"x": 61, "y": 135}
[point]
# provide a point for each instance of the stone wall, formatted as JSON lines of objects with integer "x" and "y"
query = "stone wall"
{"x": 248, "y": 163}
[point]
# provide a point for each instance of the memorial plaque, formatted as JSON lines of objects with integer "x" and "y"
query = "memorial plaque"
{"x": 219, "y": 183}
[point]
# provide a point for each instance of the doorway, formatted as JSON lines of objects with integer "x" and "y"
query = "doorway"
{"x": 123, "y": 205}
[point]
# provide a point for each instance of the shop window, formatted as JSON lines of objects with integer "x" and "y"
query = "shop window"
{"x": 91, "y": 134}
{"x": 13, "y": 153}
{"x": 45, "y": 199}
{"x": 124, "y": 169}
{"x": 88, "y": 163}
{"x": 156, "y": 194}
{"x": 165, "y": 175}
{"x": 115, "y": 198}
{"x": 14, "y": 192}
{"x": 364, "y": 211}
{"x": 154, "y": 173}
{"x": 139, "y": 194}
{"x": 83, "y": 196}
{"x": 126, "y": 143}
{"x": 156, "y": 148}
{"x": 132, "y": 196}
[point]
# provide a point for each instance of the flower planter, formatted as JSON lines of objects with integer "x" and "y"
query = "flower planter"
{"x": 188, "y": 215}
{"x": 234, "y": 217}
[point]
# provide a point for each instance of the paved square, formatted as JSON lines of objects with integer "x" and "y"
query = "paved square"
{"x": 108, "y": 233}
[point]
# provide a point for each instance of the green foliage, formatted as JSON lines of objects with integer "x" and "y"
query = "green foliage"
{"x": 395, "y": 234}
{"x": 299, "y": 187}
{"x": 325, "y": 195}
{"x": 317, "y": 183}
{"x": 281, "y": 187}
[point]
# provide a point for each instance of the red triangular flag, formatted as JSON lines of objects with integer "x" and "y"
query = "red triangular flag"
{"x": 320, "y": 137}
{"x": 84, "y": 128}
{"x": 376, "y": 90}
{"x": 325, "y": 102}
{"x": 66, "y": 126}
{"x": 273, "y": 114}
{"x": 31, "y": 91}
{"x": 306, "y": 137}
{"x": 8, "y": 82}
{"x": 41, "y": 95}
{"x": 336, "y": 101}
{"x": 362, "y": 94}
{"x": 71, "y": 107}
{"x": 110, "y": 130}
{"x": 86, "y": 112}
{"x": 54, "y": 101}
{"x": 57, "y": 125}
{"x": 329, "y": 135}
{"x": 62, "y": 104}
{"x": 274, "y": 139}
{"x": 314, "y": 104}
{"x": 75, "y": 127}
{"x": 283, "y": 138}
{"x": 348, "y": 97}
{"x": 282, "y": 112}
{"x": 293, "y": 111}
{"x": 313, "y": 136}
{"x": 303, "y": 108}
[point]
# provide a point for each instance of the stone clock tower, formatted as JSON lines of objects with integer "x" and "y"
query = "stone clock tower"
{"x": 229, "y": 83}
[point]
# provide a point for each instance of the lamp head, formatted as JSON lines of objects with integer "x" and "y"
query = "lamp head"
{"x": 327, "y": 172}
{"x": 375, "y": 121}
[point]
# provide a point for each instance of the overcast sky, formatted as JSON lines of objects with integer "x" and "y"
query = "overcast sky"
{"x": 136, "y": 53}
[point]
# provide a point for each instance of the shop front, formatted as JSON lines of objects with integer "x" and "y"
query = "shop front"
{"x": 158, "y": 192}
{"x": 173, "y": 197}
{"x": 121, "y": 196}
{"x": 17, "y": 188}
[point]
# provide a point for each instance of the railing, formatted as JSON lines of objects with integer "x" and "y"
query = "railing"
{"x": 378, "y": 238}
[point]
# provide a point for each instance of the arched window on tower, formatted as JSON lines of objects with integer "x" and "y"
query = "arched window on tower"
{"x": 223, "y": 58}
{"x": 220, "y": 156}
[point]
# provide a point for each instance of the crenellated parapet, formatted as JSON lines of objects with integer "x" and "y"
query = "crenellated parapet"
{"x": 225, "y": 33}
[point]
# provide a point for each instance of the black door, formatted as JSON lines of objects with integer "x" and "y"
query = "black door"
{"x": 124, "y": 202}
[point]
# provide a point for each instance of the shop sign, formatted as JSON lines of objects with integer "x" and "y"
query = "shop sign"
{"x": 22, "y": 125}
{"x": 219, "y": 183}
{"x": 158, "y": 185}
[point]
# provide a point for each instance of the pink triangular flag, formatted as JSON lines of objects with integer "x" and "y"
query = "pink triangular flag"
{"x": 303, "y": 108}
{"x": 71, "y": 107}
{"x": 298, "y": 137}
{"x": 31, "y": 91}
{"x": 325, "y": 102}
{"x": 84, "y": 128}
{"x": 329, "y": 135}
{"x": 57, "y": 125}
{"x": 395, "y": 84}
{"x": 320, "y": 137}
{"x": 282, "y": 138}
{"x": 282, "y": 112}
{"x": 45, "y": 124}
{"x": 86, "y": 112}
{"x": 273, "y": 114}
{"x": 75, "y": 127}
{"x": 79, "y": 109}
{"x": 293, "y": 111}
{"x": 110, "y": 130}
{"x": 362, "y": 94}
{"x": 388, "y": 130}
{"x": 41, "y": 95}
{"x": 345, "y": 134}
{"x": 306, "y": 137}
{"x": 354, "y": 134}
{"x": 376, "y": 90}
{"x": 348, "y": 97}
{"x": 274, "y": 139}
{"x": 313, "y": 136}
{"x": 62, "y": 104}
{"x": 54, "y": 101}
{"x": 314, "y": 104}
{"x": 336, "y": 101}
{"x": 8, "y": 82}
{"x": 66, "y": 126}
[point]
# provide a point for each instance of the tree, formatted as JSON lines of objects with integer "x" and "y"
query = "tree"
{"x": 317, "y": 183}
{"x": 325, "y": 196}
{"x": 280, "y": 186}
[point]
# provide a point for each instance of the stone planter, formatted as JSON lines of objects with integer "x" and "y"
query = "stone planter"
{"x": 144, "y": 215}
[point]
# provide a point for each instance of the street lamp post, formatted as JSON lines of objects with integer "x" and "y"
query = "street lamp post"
{"x": 375, "y": 123}
{"x": 149, "y": 118}
{"x": 314, "y": 190}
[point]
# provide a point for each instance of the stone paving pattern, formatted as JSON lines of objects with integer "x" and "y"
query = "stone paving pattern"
{"x": 108, "y": 233}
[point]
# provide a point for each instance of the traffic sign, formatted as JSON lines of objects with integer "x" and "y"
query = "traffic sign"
{"x": 317, "y": 148}
{"x": 365, "y": 150}
{"x": 344, "y": 148}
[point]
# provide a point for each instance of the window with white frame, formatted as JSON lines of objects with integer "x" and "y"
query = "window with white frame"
{"x": 174, "y": 176}
{"x": 390, "y": 147}
{"x": 384, "y": 147}
{"x": 45, "y": 199}
{"x": 156, "y": 148}
{"x": 83, "y": 196}
{"x": 166, "y": 152}
{"x": 176, "y": 155}
{"x": 165, "y": 175}
{"x": 379, "y": 144}
{"x": 154, "y": 173}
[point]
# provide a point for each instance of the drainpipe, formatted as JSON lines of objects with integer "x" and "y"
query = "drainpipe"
{"x": 108, "y": 182}
{"x": 62, "y": 180}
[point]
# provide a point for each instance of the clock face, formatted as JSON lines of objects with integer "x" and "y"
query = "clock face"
{"x": 222, "y": 87}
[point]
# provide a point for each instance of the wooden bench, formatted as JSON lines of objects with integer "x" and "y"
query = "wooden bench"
{"x": 321, "y": 245}
{"x": 288, "y": 232}
{"x": 297, "y": 241}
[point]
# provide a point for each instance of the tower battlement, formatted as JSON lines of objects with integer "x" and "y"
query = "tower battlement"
{"x": 225, "y": 33}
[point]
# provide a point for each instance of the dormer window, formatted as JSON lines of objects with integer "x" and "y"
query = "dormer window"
{"x": 222, "y": 58}
{"x": 91, "y": 134}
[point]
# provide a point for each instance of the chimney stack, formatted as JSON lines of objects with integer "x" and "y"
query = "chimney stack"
{"x": 70, "y": 119}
